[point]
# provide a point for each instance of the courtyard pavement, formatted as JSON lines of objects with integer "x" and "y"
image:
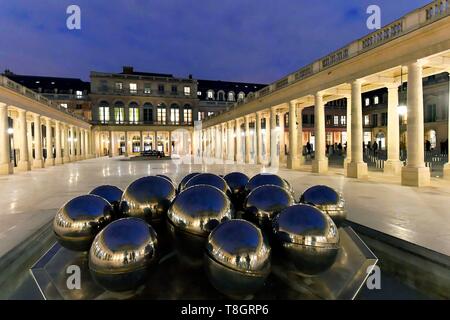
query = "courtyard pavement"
{"x": 422, "y": 216}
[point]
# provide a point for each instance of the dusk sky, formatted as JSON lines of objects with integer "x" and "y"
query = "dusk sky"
{"x": 237, "y": 40}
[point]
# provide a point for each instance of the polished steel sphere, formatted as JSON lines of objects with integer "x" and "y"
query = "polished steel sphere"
{"x": 79, "y": 220}
{"x": 186, "y": 178}
{"x": 236, "y": 182}
{"x": 148, "y": 198}
{"x": 122, "y": 253}
{"x": 195, "y": 212}
{"x": 265, "y": 202}
{"x": 328, "y": 200}
{"x": 164, "y": 176}
{"x": 113, "y": 194}
{"x": 209, "y": 179}
{"x": 237, "y": 258}
{"x": 308, "y": 238}
{"x": 262, "y": 179}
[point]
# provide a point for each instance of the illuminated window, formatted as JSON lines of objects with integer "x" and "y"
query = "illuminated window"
{"x": 119, "y": 86}
{"x": 187, "y": 114}
{"x": 175, "y": 114}
{"x": 133, "y": 87}
{"x": 119, "y": 115}
{"x": 161, "y": 114}
{"x": 210, "y": 95}
{"x": 231, "y": 96}
{"x": 63, "y": 105}
{"x": 376, "y": 100}
{"x": 366, "y": 120}
{"x": 103, "y": 114}
{"x": 367, "y": 102}
{"x": 199, "y": 93}
{"x": 79, "y": 94}
{"x": 187, "y": 91}
{"x": 210, "y": 114}
{"x": 241, "y": 96}
{"x": 343, "y": 120}
{"x": 147, "y": 89}
{"x": 134, "y": 114}
{"x": 336, "y": 120}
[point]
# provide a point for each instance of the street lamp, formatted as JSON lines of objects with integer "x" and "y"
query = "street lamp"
{"x": 10, "y": 131}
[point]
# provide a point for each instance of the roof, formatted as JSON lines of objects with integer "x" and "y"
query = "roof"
{"x": 227, "y": 86}
{"x": 49, "y": 84}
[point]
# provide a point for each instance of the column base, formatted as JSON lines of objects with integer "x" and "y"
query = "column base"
{"x": 38, "y": 164}
{"x": 24, "y": 166}
{"x": 447, "y": 171}
{"x": 6, "y": 168}
{"x": 393, "y": 167}
{"x": 293, "y": 163}
{"x": 58, "y": 161}
{"x": 320, "y": 166}
{"x": 415, "y": 177}
{"x": 49, "y": 162}
{"x": 357, "y": 170}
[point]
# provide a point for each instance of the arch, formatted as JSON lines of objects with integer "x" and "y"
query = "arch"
{"x": 210, "y": 94}
{"x": 380, "y": 138}
{"x": 175, "y": 113}
{"x": 133, "y": 104}
{"x": 241, "y": 96}
{"x": 148, "y": 112}
{"x": 119, "y": 103}
{"x": 103, "y": 111}
{"x": 231, "y": 96}
{"x": 119, "y": 112}
{"x": 187, "y": 113}
{"x": 221, "y": 95}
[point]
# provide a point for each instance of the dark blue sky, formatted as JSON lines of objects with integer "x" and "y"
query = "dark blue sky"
{"x": 241, "y": 40}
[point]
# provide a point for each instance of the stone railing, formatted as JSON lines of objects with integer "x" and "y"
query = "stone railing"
{"x": 435, "y": 10}
{"x": 9, "y": 84}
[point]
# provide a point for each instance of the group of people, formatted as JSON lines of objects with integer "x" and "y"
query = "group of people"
{"x": 371, "y": 147}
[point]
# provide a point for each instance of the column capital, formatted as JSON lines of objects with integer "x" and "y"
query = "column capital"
{"x": 358, "y": 82}
{"x": 393, "y": 85}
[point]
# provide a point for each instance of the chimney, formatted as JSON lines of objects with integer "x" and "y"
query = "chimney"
{"x": 127, "y": 69}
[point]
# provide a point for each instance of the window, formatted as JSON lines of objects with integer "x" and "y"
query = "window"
{"x": 133, "y": 87}
{"x": 103, "y": 113}
{"x": 375, "y": 120}
{"x": 161, "y": 114}
{"x": 133, "y": 114}
{"x": 79, "y": 94}
{"x": 119, "y": 86}
{"x": 210, "y": 113}
{"x": 305, "y": 119}
{"x": 241, "y": 96}
{"x": 63, "y": 105}
{"x": 103, "y": 87}
{"x": 376, "y": 100}
{"x": 384, "y": 119}
{"x": 174, "y": 89}
{"x": 210, "y": 95}
{"x": 221, "y": 96}
{"x": 119, "y": 114}
{"x": 200, "y": 115}
{"x": 336, "y": 120}
{"x": 366, "y": 120}
{"x": 147, "y": 88}
{"x": 199, "y": 93}
{"x": 187, "y": 114}
{"x": 175, "y": 114}
{"x": 160, "y": 88}
{"x": 187, "y": 91}
{"x": 367, "y": 102}
{"x": 328, "y": 119}
{"x": 148, "y": 113}
{"x": 231, "y": 96}
{"x": 430, "y": 114}
{"x": 343, "y": 120}
{"x": 312, "y": 119}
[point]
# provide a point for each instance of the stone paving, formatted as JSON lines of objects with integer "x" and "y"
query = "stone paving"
{"x": 422, "y": 216}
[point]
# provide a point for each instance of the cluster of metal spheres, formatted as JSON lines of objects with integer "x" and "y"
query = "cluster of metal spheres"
{"x": 230, "y": 225}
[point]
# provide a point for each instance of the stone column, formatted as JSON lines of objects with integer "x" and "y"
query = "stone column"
{"x": 79, "y": 156}
{"x": 320, "y": 163}
{"x": 248, "y": 140}
{"x": 238, "y": 149}
{"x": 66, "y": 144}
{"x": 58, "y": 158}
{"x": 110, "y": 144}
{"x": 357, "y": 168}
{"x": 24, "y": 162}
{"x": 300, "y": 142}
{"x": 348, "y": 122}
{"x": 170, "y": 143}
{"x": 126, "y": 144}
{"x": 49, "y": 161}
{"x": 141, "y": 135}
{"x": 5, "y": 157}
{"x": 223, "y": 133}
{"x": 393, "y": 165}
{"x": 415, "y": 173}
{"x": 274, "y": 159}
{"x": 30, "y": 142}
{"x": 86, "y": 144}
{"x": 282, "y": 137}
{"x": 230, "y": 140}
{"x": 258, "y": 138}
{"x": 447, "y": 165}
{"x": 38, "y": 161}
{"x": 293, "y": 161}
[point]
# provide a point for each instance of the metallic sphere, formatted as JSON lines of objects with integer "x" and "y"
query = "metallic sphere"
{"x": 186, "y": 178}
{"x": 122, "y": 253}
{"x": 148, "y": 198}
{"x": 328, "y": 200}
{"x": 237, "y": 258}
{"x": 265, "y": 202}
{"x": 236, "y": 182}
{"x": 111, "y": 193}
{"x": 79, "y": 220}
{"x": 193, "y": 215}
{"x": 164, "y": 176}
{"x": 262, "y": 179}
{"x": 209, "y": 179}
{"x": 308, "y": 238}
